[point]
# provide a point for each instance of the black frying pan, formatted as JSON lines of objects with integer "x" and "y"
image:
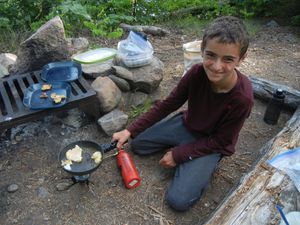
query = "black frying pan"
{"x": 87, "y": 165}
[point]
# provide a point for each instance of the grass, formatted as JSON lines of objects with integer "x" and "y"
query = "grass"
{"x": 10, "y": 40}
{"x": 194, "y": 26}
{"x": 253, "y": 26}
{"x": 139, "y": 110}
{"x": 189, "y": 25}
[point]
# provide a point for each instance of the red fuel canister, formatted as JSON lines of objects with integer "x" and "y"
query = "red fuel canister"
{"x": 129, "y": 173}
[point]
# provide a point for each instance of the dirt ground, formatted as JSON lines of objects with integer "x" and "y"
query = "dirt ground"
{"x": 30, "y": 158}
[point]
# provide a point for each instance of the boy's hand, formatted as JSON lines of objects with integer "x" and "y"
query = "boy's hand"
{"x": 167, "y": 160}
{"x": 121, "y": 137}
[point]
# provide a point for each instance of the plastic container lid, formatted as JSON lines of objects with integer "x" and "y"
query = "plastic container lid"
{"x": 96, "y": 55}
{"x": 194, "y": 46}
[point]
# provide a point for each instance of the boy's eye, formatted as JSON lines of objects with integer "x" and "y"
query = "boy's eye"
{"x": 209, "y": 54}
{"x": 228, "y": 60}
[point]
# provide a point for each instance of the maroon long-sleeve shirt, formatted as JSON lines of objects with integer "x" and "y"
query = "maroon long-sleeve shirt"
{"x": 215, "y": 118}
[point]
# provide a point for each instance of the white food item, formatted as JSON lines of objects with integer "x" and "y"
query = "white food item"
{"x": 66, "y": 164}
{"x": 74, "y": 154}
{"x": 97, "y": 157}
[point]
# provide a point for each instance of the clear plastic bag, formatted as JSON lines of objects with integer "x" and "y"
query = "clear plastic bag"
{"x": 289, "y": 163}
{"x": 135, "y": 50}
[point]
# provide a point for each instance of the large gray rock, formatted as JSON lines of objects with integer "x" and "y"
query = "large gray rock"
{"x": 121, "y": 83}
{"x": 122, "y": 73}
{"x": 146, "y": 78}
{"x": 7, "y": 60}
{"x": 136, "y": 99}
{"x": 77, "y": 45}
{"x": 95, "y": 70}
{"x": 109, "y": 95}
{"x": 113, "y": 121}
{"x": 47, "y": 44}
{"x": 3, "y": 71}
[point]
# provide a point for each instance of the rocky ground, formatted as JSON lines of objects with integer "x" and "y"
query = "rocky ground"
{"x": 29, "y": 157}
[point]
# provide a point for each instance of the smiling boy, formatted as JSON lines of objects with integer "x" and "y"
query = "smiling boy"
{"x": 219, "y": 99}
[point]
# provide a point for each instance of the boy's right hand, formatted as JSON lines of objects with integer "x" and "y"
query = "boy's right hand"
{"x": 122, "y": 137}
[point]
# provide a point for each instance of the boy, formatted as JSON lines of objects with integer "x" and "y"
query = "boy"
{"x": 219, "y": 98}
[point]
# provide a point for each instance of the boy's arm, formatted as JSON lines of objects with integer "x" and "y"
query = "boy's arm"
{"x": 222, "y": 141}
{"x": 163, "y": 108}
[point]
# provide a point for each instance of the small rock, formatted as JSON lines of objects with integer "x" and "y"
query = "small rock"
{"x": 113, "y": 121}
{"x": 18, "y": 138}
{"x": 121, "y": 83}
{"x": 206, "y": 204}
{"x": 122, "y": 72}
{"x": 272, "y": 23}
{"x": 42, "y": 192}
{"x": 63, "y": 186}
{"x": 12, "y": 188}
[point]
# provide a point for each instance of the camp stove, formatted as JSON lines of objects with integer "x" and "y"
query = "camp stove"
{"x": 81, "y": 179}
{"x": 81, "y": 172}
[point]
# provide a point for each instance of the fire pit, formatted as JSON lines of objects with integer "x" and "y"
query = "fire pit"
{"x": 12, "y": 89}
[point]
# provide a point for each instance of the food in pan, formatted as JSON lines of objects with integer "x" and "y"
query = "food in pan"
{"x": 66, "y": 163}
{"x": 74, "y": 154}
{"x": 46, "y": 87}
{"x": 44, "y": 95}
{"x": 57, "y": 98}
{"x": 97, "y": 157}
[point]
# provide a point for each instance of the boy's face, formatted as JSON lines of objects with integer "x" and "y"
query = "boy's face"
{"x": 219, "y": 61}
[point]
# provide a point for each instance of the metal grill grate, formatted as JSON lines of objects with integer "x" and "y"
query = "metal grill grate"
{"x": 12, "y": 89}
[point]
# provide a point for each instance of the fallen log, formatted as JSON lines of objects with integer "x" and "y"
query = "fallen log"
{"x": 264, "y": 89}
{"x": 156, "y": 31}
{"x": 254, "y": 200}
{"x": 194, "y": 11}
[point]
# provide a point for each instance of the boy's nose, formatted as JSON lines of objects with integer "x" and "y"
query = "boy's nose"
{"x": 218, "y": 65}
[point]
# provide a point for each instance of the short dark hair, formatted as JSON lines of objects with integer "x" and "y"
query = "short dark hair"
{"x": 229, "y": 30}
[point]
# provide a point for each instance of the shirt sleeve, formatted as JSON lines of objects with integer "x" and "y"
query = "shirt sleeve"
{"x": 222, "y": 141}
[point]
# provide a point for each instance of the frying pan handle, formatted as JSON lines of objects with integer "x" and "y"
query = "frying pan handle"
{"x": 108, "y": 147}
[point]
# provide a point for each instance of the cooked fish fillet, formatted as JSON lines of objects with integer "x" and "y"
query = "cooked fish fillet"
{"x": 74, "y": 154}
{"x": 44, "y": 95}
{"x": 57, "y": 98}
{"x": 46, "y": 87}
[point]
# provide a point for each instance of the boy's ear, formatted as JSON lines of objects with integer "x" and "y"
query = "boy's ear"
{"x": 242, "y": 59}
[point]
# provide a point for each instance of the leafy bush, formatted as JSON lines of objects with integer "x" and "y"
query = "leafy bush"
{"x": 103, "y": 17}
{"x": 295, "y": 20}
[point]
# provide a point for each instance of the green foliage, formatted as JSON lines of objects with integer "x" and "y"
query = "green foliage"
{"x": 139, "y": 110}
{"x": 108, "y": 25}
{"x": 190, "y": 24}
{"x": 21, "y": 13}
{"x": 103, "y": 17}
{"x": 296, "y": 20}
{"x": 10, "y": 39}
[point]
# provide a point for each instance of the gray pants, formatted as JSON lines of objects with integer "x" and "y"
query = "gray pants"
{"x": 191, "y": 177}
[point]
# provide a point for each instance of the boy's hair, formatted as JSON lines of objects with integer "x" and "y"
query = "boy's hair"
{"x": 229, "y": 30}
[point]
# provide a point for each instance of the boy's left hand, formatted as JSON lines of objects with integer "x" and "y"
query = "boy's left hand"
{"x": 167, "y": 160}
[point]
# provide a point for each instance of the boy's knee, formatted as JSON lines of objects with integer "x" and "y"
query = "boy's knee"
{"x": 135, "y": 146}
{"x": 179, "y": 202}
